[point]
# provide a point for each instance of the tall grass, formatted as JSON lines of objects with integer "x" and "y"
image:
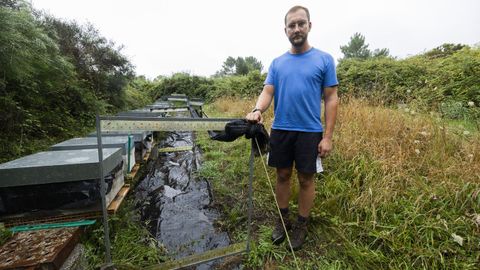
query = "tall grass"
{"x": 400, "y": 191}
{"x": 132, "y": 246}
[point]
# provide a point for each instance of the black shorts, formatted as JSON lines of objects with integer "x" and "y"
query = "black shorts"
{"x": 289, "y": 146}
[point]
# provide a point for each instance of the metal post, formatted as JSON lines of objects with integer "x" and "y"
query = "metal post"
{"x": 129, "y": 150}
{"x": 108, "y": 259}
{"x": 250, "y": 198}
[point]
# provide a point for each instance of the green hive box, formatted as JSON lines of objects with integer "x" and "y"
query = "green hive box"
{"x": 58, "y": 166}
{"x": 128, "y": 153}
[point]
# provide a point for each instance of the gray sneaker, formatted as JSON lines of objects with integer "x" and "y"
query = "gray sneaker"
{"x": 278, "y": 234}
{"x": 298, "y": 235}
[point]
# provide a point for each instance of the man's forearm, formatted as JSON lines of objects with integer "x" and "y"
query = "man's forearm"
{"x": 265, "y": 98}
{"x": 331, "y": 105}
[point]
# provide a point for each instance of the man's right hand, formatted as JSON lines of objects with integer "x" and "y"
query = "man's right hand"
{"x": 255, "y": 117}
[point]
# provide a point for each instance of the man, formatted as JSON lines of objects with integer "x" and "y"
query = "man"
{"x": 296, "y": 82}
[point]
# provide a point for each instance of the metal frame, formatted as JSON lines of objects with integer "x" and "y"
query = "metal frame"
{"x": 161, "y": 107}
{"x": 108, "y": 257}
{"x": 166, "y": 124}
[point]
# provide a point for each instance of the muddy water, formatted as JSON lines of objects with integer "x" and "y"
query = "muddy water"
{"x": 176, "y": 204}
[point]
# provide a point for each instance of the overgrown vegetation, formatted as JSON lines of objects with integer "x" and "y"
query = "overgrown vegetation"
{"x": 54, "y": 76}
{"x": 5, "y": 234}
{"x": 400, "y": 191}
{"x": 132, "y": 245}
{"x": 209, "y": 88}
{"x": 445, "y": 80}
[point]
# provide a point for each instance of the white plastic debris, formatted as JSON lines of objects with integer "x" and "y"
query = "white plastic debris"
{"x": 458, "y": 239}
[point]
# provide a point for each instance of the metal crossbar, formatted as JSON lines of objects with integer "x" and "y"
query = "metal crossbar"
{"x": 130, "y": 123}
{"x": 208, "y": 256}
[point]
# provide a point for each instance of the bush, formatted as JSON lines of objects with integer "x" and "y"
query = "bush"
{"x": 210, "y": 88}
{"x": 446, "y": 83}
{"x": 183, "y": 83}
{"x": 55, "y": 76}
{"x": 249, "y": 85}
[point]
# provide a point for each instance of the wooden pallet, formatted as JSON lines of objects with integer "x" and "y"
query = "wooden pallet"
{"x": 42, "y": 249}
{"x": 131, "y": 175}
{"x": 115, "y": 204}
{"x": 147, "y": 154}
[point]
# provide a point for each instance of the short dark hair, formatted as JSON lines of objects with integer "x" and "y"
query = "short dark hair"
{"x": 295, "y": 8}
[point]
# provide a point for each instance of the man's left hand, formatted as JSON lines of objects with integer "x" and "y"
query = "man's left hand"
{"x": 325, "y": 147}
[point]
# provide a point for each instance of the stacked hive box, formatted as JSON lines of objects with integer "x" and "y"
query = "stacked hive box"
{"x": 126, "y": 143}
{"x": 143, "y": 141}
{"x": 46, "y": 183}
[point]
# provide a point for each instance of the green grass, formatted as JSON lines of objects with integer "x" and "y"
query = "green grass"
{"x": 132, "y": 245}
{"x": 5, "y": 234}
{"x": 378, "y": 206}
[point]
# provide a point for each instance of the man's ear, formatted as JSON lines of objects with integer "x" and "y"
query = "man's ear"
{"x": 285, "y": 29}
{"x": 309, "y": 26}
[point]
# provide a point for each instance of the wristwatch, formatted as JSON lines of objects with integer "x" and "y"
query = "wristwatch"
{"x": 256, "y": 109}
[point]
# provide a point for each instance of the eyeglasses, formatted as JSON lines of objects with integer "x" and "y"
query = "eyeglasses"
{"x": 301, "y": 24}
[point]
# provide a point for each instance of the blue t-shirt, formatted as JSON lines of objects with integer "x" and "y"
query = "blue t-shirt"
{"x": 298, "y": 81}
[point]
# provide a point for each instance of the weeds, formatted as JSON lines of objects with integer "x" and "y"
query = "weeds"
{"x": 5, "y": 234}
{"x": 401, "y": 191}
{"x": 132, "y": 244}
{"x": 264, "y": 250}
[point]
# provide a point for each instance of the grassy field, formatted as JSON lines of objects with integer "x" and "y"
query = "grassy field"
{"x": 400, "y": 191}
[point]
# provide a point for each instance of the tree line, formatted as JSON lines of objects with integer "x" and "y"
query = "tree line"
{"x": 56, "y": 74}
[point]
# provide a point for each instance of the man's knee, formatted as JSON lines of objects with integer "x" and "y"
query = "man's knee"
{"x": 284, "y": 174}
{"x": 305, "y": 180}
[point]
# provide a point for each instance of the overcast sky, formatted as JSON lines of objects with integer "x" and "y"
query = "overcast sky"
{"x": 167, "y": 36}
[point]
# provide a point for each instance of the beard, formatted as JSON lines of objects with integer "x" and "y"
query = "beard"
{"x": 298, "y": 40}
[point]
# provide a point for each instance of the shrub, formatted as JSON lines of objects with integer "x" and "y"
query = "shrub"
{"x": 445, "y": 83}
